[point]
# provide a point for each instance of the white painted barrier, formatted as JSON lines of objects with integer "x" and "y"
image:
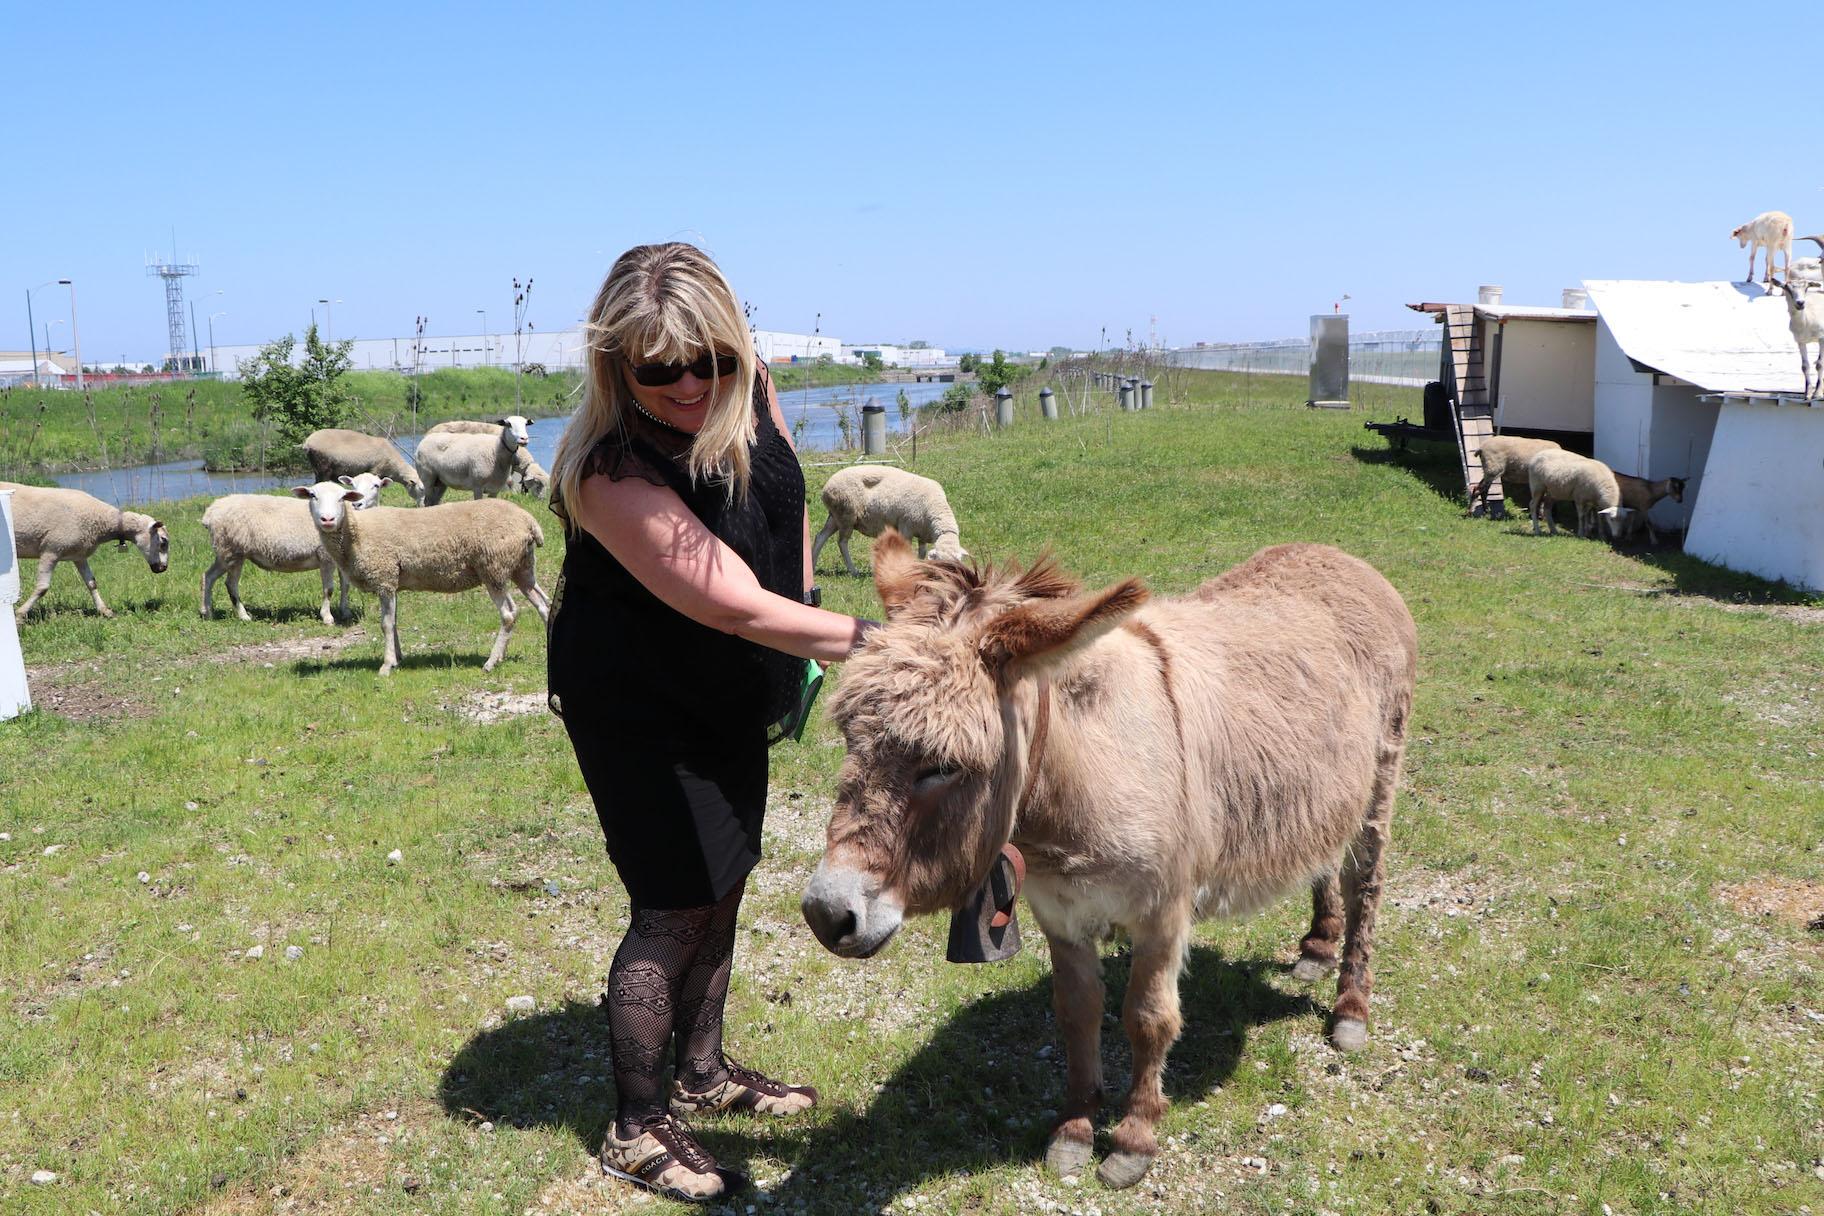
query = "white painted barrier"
{"x": 15, "y": 698}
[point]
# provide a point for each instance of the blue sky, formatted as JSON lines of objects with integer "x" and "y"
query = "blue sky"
{"x": 1016, "y": 175}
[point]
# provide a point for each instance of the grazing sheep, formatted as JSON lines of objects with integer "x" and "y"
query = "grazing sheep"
{"x": 1555, "y": 475}
{"x": 1638, "y": 495}
{"x": 487, "y": 543}
{"x": 468, "y": 460}
{"x": 527, "y": 477}
{"x": 1770, "y": 230}
{"x": 56, "y": 525}
{"x": 275, "y": 534}
{"x": 867, "y": 498}
{"x": 335, "y": 452}
{"x": 1504, "y": 459}
{"x": 1807, "y": 327}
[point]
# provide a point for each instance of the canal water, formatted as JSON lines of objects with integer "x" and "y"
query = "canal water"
{"x": 811, "y": 413}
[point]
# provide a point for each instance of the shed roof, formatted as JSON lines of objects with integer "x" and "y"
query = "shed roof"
{"x": 1510, "y": 312}
{"x": 1722, "y": 337}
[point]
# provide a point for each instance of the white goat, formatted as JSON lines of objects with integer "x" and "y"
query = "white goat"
{"x": 1770, "y": 230}
{"x": 1807, "y": 270}
{"x": 1807, "y": 325}
{"x": 274, "y": 533}
{"x": 54, "y": 524}
{"x": 867, "y": 498}
{"x": 489, "y": 543}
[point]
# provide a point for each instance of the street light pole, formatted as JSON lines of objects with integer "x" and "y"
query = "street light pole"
{"x": 484, "y": 335}
{"x": 213, "y": 367}
{"x": 329, "y": 320}
{"x": 47, "y": 335}
{"x": 75, "y": 329}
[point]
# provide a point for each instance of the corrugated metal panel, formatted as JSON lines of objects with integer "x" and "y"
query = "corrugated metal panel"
{"x": 1722, "y": 337}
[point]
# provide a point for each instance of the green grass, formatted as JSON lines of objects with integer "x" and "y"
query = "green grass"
{"x": 44, "y": 431}
{"x": 1571, "y": 1010}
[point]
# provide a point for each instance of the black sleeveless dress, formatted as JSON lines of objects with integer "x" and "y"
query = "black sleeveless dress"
{"x": 669, "y": 718}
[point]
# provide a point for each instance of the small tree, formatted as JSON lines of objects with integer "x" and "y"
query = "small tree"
{"x": 967, "y": 363}
{"x": 997, "y": 374}
{"x": 298, "y": 400}
{"x": 872, "y": 361}
{"x": 955, "y": 400}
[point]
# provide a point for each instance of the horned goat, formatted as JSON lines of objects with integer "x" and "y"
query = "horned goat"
{"x": 1770, "y": 230}
{"x": 59, "y": 525}
{"x": 1807, "y": 325}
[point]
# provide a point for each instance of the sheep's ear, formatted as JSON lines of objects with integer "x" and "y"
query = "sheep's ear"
{"x": 896, "y": 570}
{"x": 385, "y": 482}
{"x": 300, "y": 491}
{"x": 502, "y": 422}
{"x": 346, "y": 480}
{"x": 351, "y": 496}
{"x": 1048, "y": 630}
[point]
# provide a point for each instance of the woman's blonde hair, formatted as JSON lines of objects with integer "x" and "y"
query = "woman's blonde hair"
{"x": 663, "y": 304}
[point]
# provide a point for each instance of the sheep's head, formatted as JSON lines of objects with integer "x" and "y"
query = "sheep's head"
{"x": 1617, "y": 520}
{"x": 1741, "y": 236}
{"x": 150, "y": 538}
{"x": 329, "y": 502}
{"x": 949, "y": 548}
{"x": 369, "y": 485}
{"x": 412, "y": 483}
{"x": 513, "y": 434}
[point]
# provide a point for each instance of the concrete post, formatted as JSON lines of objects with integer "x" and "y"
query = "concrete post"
{"x": 873, "y": 429}
{"x": 15, "y": 698}
{"x": 1048, "y": 405}
{"x": 1146, "y": 394}
{"x": 1127, "y": 394}
{"x": 1003, "y": 407}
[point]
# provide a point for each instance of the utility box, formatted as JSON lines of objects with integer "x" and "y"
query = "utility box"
{"x": 1329, "y": 362}
{"x": 15, "y": 698}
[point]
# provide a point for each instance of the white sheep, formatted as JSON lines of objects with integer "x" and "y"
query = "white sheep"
{"x": 463, "y": 460}
{"x": 1555, "y": 475}
{"x": 489, "y": 543}
{"x": 1504, "y": 459}
{"x": 58, "y": 525}
{"x": 274, "y": 533}
{"x": 869, "y": 498}
{"x": 1807, "y": 326}
{"x": 1770, "y": 230}
{"x": 1638, "y": 495}
{"x": 527, "y": 477}
{"x": 337, "y": 452}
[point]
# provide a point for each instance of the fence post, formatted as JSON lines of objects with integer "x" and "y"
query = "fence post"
{"x": 1146, "y": 394}
{"x": 1003, "y": 407}
{"x": 1048, "y": 405}
{"x": 873, "y": 429}
{"x": 1127, "y": 393}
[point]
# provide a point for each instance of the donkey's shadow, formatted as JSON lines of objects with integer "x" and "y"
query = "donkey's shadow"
{"x": 978, "y": 1094}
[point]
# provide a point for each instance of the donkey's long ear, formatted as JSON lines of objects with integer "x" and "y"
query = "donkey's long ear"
{"x": 896, "y": 571}
{"x": 1048, "y": 630}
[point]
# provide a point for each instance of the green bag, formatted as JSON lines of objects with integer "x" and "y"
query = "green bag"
{"x": 792, "y": 725}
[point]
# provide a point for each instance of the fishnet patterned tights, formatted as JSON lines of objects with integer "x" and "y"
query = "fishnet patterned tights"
{"x": 668, "y": 983}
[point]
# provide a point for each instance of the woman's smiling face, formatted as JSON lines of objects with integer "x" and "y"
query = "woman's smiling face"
{"x": 683, "y": 404}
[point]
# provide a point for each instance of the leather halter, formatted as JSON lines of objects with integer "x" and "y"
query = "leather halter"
{"x": 1035, "y": 754}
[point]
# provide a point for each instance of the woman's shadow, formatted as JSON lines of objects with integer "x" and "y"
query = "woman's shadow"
{"x": 981, "y": 1092}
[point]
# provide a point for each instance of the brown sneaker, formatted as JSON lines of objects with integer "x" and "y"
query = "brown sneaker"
{"x": 745, "y": 1092}
{"x": 666, "y": 1159}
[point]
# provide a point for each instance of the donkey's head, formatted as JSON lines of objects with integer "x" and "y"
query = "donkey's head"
{"x": 937, "y": 711}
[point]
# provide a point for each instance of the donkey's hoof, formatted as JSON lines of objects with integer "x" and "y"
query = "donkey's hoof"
{"x": 1120, "y": 1170}
{"x": 1066, "y": 1157}
{"x": 1308, "y": 968}
{"x": 1349, "y": 1034}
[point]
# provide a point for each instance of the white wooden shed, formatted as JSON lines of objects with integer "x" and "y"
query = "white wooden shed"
{"x": 1702, "y": 380}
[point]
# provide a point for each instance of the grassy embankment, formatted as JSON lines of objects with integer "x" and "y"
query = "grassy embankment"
{"x": 1594, "y": 985}
{"x": 46, "y": 431}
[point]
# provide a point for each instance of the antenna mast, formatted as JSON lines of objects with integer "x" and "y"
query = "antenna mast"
{"x": 173, "y": 274}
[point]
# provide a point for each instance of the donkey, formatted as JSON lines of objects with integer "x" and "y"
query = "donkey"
{"x": 1154, "y": 762}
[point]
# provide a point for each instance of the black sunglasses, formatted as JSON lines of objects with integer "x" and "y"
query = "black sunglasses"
{"x": 658, "y": 375}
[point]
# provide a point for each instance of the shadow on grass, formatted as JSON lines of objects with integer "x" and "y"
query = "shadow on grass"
{"x": 1433, "y": 463}
{"x": 1696, "y": 577}
{"x": 439, "y": 660}
{"x": 975, "y": 1096}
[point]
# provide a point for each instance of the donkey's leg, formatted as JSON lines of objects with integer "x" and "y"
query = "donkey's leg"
{"x": 1076, "y": 999}
{"x": 1364, "y": 867}
{"x": 1150, "y": 1015}
{"x": 1317, "y": 952}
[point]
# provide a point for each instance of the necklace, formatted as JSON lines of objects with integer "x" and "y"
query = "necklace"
{"x": 657, "y": 421}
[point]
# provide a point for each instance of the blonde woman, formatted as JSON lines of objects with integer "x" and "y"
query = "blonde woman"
{"x": 685, "y": 613}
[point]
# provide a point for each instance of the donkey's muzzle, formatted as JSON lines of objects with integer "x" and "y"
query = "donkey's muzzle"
{"x": 845, "y": 910}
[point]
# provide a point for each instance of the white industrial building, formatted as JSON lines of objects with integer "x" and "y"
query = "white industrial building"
{"x": 894, "y": 355}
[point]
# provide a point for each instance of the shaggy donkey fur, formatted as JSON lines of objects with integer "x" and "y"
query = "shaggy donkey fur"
{"x": 1205, "y": 755}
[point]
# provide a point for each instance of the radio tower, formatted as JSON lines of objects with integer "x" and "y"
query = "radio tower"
{"x": 173, "y": 274}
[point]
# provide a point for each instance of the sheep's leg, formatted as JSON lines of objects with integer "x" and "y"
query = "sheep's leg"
{"x": 46, "y": 564}
{"x": 209, "y": 576}
{"x": 1317, "y": 952}
{"x": 1151, "y": 1016}
{"x": 326, "y": 574}
{"x": 389, "y": 629}
{"x": 88, "y": 580}
{"x": 921, "y": 550}
{"x": 1076, "y": 999}
{"x": 842, "y": 546}
{"x": 503, "y": 600}
{"x": 527, "y": 582}
{"x": 823, "y": 535}
{"x": 1539, "y": 505}
{"x": 342, "y": 584}
{"x": 234, "y": 590}
{"x": 1364, "y": 866}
